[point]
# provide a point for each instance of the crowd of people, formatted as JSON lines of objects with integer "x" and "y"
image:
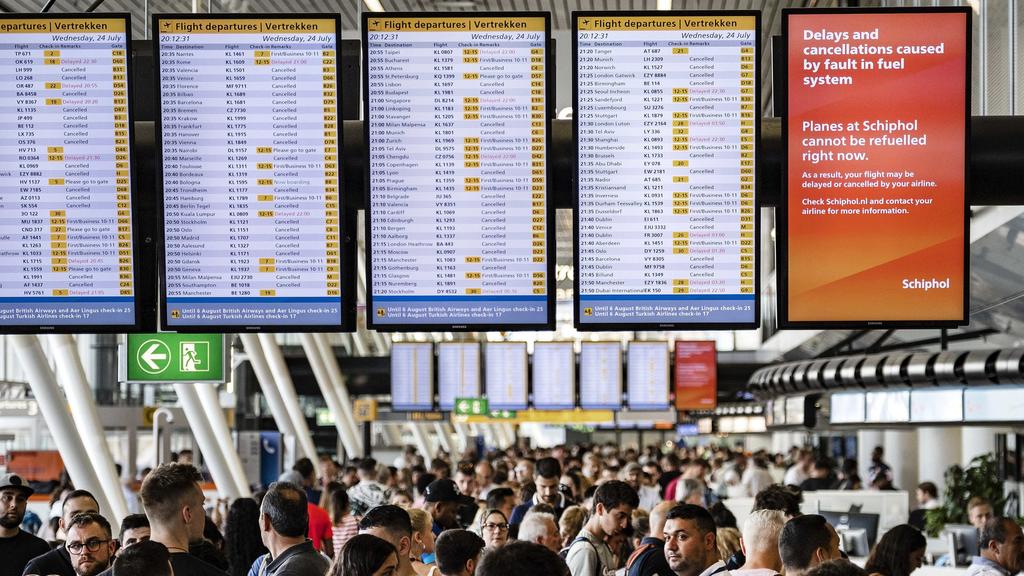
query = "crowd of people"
{"x": 580, "y": 511}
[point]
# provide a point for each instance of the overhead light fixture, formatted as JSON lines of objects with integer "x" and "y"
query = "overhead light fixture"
{"x": 664, "y": 4}
{"x": 373, "y": 5}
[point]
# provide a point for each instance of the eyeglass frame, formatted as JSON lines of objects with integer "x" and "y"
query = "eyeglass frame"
{"x": 89, "y": 545}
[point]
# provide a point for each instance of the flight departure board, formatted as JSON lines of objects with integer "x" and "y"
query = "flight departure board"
{"x": 459, "y": 219}
{"x": 666, "y": 122}
{"x": 458, "y": 372}
{"x": 647, "y": 376}
{"x": 505, "y": 368}
{"x": 554, "y": 376}
{"x": 412, "y": 376}
{"x": 601, "y": 376}
{"x": 249, "y": 142}
{"x": 66, "y": 184}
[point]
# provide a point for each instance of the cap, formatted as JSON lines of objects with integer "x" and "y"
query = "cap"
{"x": 445, "y": 490}
{"x": 16, "y": 482}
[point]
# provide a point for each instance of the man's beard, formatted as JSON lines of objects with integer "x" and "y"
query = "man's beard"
{"x": 9, "y": 521}
{"x": 96, "y": 568}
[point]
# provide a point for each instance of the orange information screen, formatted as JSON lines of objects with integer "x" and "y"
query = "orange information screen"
{"x": 874, "y": 227}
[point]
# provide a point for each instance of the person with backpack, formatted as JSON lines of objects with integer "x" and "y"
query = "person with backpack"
{"x": 589, "y": 555}
{"x": 649, "y": 557}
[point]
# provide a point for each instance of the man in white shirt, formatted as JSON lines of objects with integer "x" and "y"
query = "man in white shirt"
{"x": 756, "y": 477}
{"x": 760, "y": 543}
{"x": 691, "y": 547}
{"x": 800, "y": 470}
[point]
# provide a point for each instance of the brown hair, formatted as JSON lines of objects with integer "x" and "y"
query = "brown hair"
{"x": 167, "y": 488}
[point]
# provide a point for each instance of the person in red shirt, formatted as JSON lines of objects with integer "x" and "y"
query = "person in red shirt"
{"x": 320, "y": 529}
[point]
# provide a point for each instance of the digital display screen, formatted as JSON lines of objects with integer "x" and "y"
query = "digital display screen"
{"x": 666, "y": 115}
{"x": 779, "y": 412}
{"x": 249, "y": 144}
{"x": 647, "y": 376}
{"x": 875, "y": 222}
{"x": 412, "y": 376}
{"x": 66, "y": 182}
{"x": 993, "y": 404}
{"x": 696, "y": 366}
{"x": 459, "y": 220}
{"x": 601, "y": 376}
{"x": 847, "y": 408}
{"x": 458, "y": 372}
{"x": 937, "y": 405}
{"x": 794, "y": 411}
{"x": 688, "y": 429}
{"x": 505, "y": 366}
{"x": 554, "y": 376}
{"x": 888, "y": 406}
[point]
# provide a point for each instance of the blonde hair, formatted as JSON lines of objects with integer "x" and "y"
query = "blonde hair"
{"x": 421, "y": 520}
{"x": 728, "y": 541}
{"x": 572, "y": 521}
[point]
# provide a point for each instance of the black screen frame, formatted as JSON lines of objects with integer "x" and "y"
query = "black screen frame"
{"x": 782, "y": 211}
{"x": 758, "y": 160}
{"x": 551, "y": 255}
{"x": 347, "y": 317}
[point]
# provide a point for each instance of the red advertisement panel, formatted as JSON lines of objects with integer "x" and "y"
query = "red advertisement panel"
{"x": 696, "y": 375}
{"x": 876, "y": 133}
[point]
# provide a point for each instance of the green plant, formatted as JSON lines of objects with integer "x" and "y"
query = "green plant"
{"x": 979, "y": 479}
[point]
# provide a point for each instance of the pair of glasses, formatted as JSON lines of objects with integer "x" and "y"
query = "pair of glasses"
{"x": 498, "y": 527}
{"x": 92, "y": 546}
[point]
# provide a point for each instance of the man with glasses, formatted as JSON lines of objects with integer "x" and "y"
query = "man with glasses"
{"x": 90, "y": 544}
{"x": 17, "y": 547}
{"x": 57, "y": 561}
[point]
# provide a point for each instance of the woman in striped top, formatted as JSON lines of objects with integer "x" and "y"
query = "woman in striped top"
{"x": 345, "y": 525}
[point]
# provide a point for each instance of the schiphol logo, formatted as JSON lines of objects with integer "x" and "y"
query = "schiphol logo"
{"x": 925, "y": 284}
{"x": 153, "y": 357}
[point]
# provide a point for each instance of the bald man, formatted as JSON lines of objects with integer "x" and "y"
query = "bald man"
{"x": 649, "y": 557}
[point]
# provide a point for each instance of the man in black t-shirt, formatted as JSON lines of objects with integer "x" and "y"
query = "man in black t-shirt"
{"x": 17, "y": 547}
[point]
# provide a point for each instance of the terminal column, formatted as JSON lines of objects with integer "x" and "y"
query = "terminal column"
{"x": 901, "y": 454}
{"x": 976, "y": 441}
{"x": 938, "y": 448}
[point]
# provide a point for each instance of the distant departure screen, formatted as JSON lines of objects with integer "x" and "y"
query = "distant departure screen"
{"x": 66, "y": 238}
{"x": 412, "y": 376}
{"x": 647, "y": 376}
{"x": 876, "y": 135}
{"x": 601, "y": 376}
{"x": 459, "y": 215}
{"x": 458, "y": 372}
{"x": 666, "y": 114}
{"x": 554, "y": 376}
{"x": 249, "y": 144}
{"x": 506, "y": 375}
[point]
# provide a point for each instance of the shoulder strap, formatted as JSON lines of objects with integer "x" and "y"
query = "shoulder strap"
{"x": 636, "y": 554}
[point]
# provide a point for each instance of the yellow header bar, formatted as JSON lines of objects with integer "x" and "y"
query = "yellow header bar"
{"x": 467, "y": 24}
{"x": 61, "y": 25}
{"x": 247, "y": 26}
{"x": 651, "y": 23}
{"x": 544, "y": 417}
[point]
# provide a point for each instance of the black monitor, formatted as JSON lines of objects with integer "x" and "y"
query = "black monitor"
{"x": 965, "y": 541}
{"x": 853, "y": 523}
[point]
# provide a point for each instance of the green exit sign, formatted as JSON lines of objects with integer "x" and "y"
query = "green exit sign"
{"x": 471, "y": 407}
{"x": 174, "y": 358}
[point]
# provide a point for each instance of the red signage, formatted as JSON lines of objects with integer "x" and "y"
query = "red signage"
{"x": 696, "y": 375}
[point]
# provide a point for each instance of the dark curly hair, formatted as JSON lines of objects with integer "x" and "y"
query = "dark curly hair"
{"x": 242, "y": 543}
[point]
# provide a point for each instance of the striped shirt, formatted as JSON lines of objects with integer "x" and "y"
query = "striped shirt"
{"x": 348, "y": 528}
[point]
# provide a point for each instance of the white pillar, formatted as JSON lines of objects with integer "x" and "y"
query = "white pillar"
{"x": 901, "y": 453}
{"x": 316, "y": 362}
{"x": 210, "y": 402}
{"x": 283, "y": 379}
{"x": 443, "y": 437}
{"x": 87, "y": 420}
{"x": 866, "y": 442}
{"x": 419, "y": 437}
{"x": 258, "y": 359}
{"x": 54, "y": 408}
{"x": 976, "y": 441}
{"x": 337, "y": 382}
{"x": 198, "y": 422}
{"x": 462, "y": 435}
{"x": 938, "y": 448}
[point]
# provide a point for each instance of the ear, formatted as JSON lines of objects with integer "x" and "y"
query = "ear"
{"x": 405, "y": 546}
{"x": 599, "y": 509}
{"x": 186, "y": 514}
{"x": 743, "y": 546}
{"x": 471, "y": 566}
{"x": 709, "y": 541}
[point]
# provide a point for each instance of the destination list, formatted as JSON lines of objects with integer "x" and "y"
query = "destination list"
{"x": 249, "y": 138}
{"x": 458, "y": 189}
{"x": 65, "y": 173}
{"x": 666, "y": 118}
